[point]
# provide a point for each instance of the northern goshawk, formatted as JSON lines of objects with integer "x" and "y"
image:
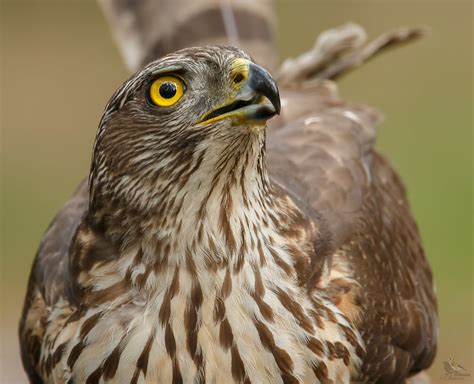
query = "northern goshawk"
{"x": 202, "y": 251}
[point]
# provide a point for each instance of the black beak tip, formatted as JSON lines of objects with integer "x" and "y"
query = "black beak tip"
{"x": 262, "y": 82}
{"x": 276, "y": 101}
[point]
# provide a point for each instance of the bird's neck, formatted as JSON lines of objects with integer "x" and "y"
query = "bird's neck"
{"x": 222, "y": 201}
{"x": 228, "y": 195}
{"x": 223, "y": 219}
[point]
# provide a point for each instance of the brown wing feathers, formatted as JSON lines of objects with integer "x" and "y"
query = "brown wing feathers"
{"x": 321, "y": 149}
{"x": 48, "y": 279}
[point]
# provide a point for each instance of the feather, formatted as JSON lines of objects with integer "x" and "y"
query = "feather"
{"x": 146, "y": 30}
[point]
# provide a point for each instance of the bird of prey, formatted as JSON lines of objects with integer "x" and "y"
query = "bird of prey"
{"x": 207, "y": 248}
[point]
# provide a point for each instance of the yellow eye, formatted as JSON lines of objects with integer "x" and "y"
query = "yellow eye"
{"x": 166, "y": 91}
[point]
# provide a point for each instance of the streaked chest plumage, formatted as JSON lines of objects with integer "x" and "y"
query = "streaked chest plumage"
{"x": 246, "y": 321}
{"x": 212, "y": 292}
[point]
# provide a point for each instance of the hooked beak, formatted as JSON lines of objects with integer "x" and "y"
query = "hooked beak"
{"x": 256, "y": 100}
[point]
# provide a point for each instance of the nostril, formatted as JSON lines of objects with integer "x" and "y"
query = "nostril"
{"x": 238, "y": 78}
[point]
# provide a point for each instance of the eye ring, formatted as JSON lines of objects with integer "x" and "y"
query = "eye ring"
{"x": 166, "y": 91}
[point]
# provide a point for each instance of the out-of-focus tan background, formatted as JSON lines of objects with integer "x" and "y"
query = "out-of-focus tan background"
{"x": 59, "y": 66}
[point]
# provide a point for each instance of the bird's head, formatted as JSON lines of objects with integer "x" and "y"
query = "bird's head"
{"x": 179, "y": 121}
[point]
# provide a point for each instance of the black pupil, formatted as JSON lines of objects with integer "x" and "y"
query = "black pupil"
{"x": 167, "y": 90}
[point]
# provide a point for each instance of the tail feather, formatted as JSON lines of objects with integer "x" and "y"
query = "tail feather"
{"x": 148, "y": 29}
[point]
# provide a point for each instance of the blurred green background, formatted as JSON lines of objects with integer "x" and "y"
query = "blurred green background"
{"x": 59, "y": 66}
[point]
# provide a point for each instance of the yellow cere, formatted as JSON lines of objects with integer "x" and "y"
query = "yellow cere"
{"x": 166, "y": 91}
